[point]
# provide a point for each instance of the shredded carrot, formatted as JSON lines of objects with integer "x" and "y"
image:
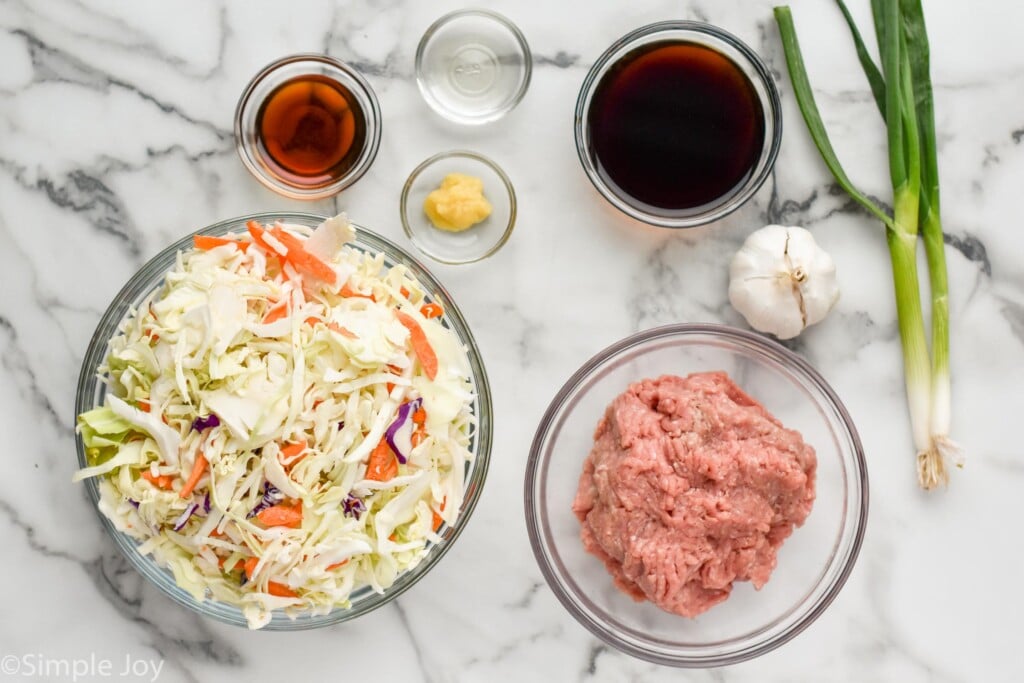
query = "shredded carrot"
{"x": 420, "y": 345}
{"x": 420, "y": 416}
{"x": 281, "y": 515}
{"x": 417, "y": 437}
{"x": 302, "y": 259}
{"x": 290, "y": 450}
{"x": 337, "y": 565}
{"x": 144, "y": 405}
{"x": 276, "y": 313}
{"x": 216, "y": 533}
{"x": 348, "y": 292}
{"x": 390, "y": 386}
{"x": 292, "y": 453}
{"x": 162, "y": 481}
{"x": 431, "y": 311}
{"x": 404, "y": 292}
{"x": 343, "y": 331}
{"x": 437, "y": 517}
{"x": 198, "y": 467}
{"x": 393, "y": 537}
{"x": 256, "y": 232}
{"x": 250, "y": 566}
{"x": 312, "y": 321}
{"x": 163, "y": 418}
{"x": 207, "y": 242}
{"x": 280, "y": 590}
{"x": 382, "y": 464}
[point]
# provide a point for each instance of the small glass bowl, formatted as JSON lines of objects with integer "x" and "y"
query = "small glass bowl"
{"x": 264, "y": 83}
{"x": 744, "y": 58}
{"x": 92, "y": 390}
{"x": 813, "y": 563}
{"x": 472, "y": 244}
{"x": 473, "y": 66}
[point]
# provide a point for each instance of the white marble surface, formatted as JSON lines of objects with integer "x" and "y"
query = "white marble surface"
{"x": 115, "y": 138}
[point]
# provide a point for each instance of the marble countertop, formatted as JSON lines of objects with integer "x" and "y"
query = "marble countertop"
{"x": 115, "y": 139}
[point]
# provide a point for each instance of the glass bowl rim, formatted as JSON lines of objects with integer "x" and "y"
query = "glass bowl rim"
{"x": 347, "y": 76}
{"x": 505, "y": 23}
{"x": 403, "y": 204}
{"x": 771, "y": 107}
{"x": 145, "y": 280}
{"x": 792, "y": 361}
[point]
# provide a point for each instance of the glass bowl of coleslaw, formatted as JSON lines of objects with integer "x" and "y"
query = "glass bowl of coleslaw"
{"x": 283, "y": 420}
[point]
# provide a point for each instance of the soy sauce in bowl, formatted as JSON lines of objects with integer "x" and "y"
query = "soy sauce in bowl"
{"x": 678, "y": 123}
{"x": 676, "y": 126}
{"x": 311, "y": 130}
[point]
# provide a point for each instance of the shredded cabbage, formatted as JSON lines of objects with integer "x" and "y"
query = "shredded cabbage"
{"x": 304, "y": 375}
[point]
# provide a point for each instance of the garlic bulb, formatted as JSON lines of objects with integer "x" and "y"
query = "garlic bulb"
{"x": 781, "y": 281}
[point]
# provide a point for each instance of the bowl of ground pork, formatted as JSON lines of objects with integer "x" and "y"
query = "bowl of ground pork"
{"x": 696, "y": 495}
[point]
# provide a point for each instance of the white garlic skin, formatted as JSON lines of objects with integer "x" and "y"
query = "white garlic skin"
{"x": 781, "y": 281}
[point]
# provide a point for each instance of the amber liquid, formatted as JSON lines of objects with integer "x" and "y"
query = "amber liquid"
{"x": 676, "y": 126}
{"x": 310, "y": 131}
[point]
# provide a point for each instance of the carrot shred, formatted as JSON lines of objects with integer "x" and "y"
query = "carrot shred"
{"x": 198, "y": 467}
{"x": 312, "y": 321}
{"x": 390, "y": 386}
{"x": 348, "y": 292}
{"x": 404, "y": 292}
{"x": 431, "y": 311}
{"x": 417, "y": 437}
{"x": 280, "y": 590}
{"x": 276, "y": 313}
{"x": 256, "y": 231}
{"x": 419, "y": 416}
{"x": 302, "y": 259}
{"x": 281, "y": 515}
{"x": 437, "y": 521}
{"x": 337, "y": 565}
{"x": 420, "y": 345}
{"x": 343, "y": 331}
{"x": 290, "y": 450}
{"x": 207, "y": 242}
{"x": 292, "y": 453}
{"x": 161, "y": 481}
{"x": 144, "y": 405}
{"x": 249, "y": 567}
{"x": 382, "y": 464}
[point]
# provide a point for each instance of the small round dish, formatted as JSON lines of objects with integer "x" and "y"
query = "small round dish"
{"x": 256, "y": 157}
{"x": 92, "y": 390}
{"x": 813, "y": 563}
{"x": 735, "y": 51}
{"x": 472, "y": 244}
{"x": 473, "y": 66}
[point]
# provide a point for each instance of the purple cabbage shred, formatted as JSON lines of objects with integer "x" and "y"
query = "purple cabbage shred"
{"x": 271, "y": 496}
{"x": 201, "y": 423}
{"x": 353, "y": 507}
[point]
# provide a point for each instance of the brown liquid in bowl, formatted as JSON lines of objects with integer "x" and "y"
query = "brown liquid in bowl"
{"x": 310, "y": 131}
{"x": 676, "y": 126}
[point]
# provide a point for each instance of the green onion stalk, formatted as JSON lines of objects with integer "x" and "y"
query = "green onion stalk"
{"x": 903, "y": 93}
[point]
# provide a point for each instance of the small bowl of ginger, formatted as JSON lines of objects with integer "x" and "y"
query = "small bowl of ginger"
{"x": 458, "y": 207}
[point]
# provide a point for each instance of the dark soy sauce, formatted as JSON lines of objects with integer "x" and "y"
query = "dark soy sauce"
{"x": 676, "y": 126}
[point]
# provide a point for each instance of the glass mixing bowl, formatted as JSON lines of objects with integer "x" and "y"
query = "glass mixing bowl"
{"x": 91, "y": 392}
{"x": 813, "y": 563}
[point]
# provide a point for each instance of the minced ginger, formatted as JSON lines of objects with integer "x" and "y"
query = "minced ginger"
{"x": 459, "y": 203}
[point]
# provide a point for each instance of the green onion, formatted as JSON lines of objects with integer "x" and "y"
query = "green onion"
{"x": 903, "y": 93}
